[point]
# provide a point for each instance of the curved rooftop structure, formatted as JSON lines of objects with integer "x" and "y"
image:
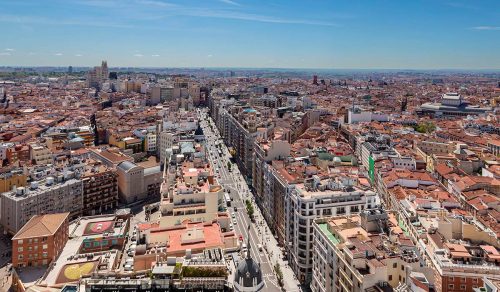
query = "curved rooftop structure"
{"x": 248, "y": 275}
{"x": 126, "y": 165}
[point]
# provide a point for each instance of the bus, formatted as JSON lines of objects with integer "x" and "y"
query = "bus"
{"x": 227, "y": 198}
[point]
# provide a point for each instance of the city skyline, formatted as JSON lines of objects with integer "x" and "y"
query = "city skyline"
{"x": 256, "y": 34}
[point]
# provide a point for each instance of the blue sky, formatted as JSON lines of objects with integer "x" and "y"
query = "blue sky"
{"x": 413, "y": 34}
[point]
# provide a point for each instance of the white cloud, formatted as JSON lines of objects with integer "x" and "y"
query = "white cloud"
{"x": 251, "y": 17}
{"x": 209, "y": 56}
{"x": 230, "y": 2}
{"x": 78, "y": 55}
{"x": 23, "y": 19}
{"x": 155, "y": 55}
{"x": 58, "y": 54}
{"x": 4, "y": 54}
{"x": 486, "y": 27}
{"x": 138, "y": 55}
{"x": 156, "y": 3}
{"x": 9, "y": 50}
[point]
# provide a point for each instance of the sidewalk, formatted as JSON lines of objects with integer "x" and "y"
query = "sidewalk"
{"x": 275, "y": 256}
{"x": 270, "y": 243}
{"x": 273, "y": 250}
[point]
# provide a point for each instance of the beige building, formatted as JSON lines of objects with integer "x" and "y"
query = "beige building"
{"x": 429, "y": 150}
{"x": 193, "y": 196}
{"x": 136, "y": 182}
{"x": 361, "y": 252}
{"x": 12, "y": 178}
{"x": 40, "y": 155}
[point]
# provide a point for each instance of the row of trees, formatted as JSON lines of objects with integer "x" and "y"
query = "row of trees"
{"x": 250, "y": 209}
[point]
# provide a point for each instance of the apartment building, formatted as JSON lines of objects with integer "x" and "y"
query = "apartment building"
{"x": 428, "y": 150}
{"x": 148, "y": 137}
{"x": 166, "y": 141}
{"x": 262, "y": 182}
{"x": 50, "y": 196}
{"x": 190, "y": 193}
{"x": 241, "y": 140}
{"x": 100, "y": 189}
{"x": 11, "y": 178}
{"x": 313, "y": 199}
{"x": 40, "y": 155}
{"x": 240, "y": 127}
{"x": 494, "y": 147}
{"x": 365, "y": 252}
{"x": 40, "y": 240}
{"x": 461, "y": 253}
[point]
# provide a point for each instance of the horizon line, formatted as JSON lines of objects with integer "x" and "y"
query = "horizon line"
{"x": 256, "y": 68}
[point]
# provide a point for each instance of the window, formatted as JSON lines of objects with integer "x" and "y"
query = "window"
{"x": 87, "y": 244}
{"x": 20, "y": 249}
{"x": 20, "y": 257}
{"x": 462, "y": 287}
{"x": 451, "y": 286}
{"x": 451, "y": 279}
{"x": 395, "y": 265}
{"x": 20, "y": 241}
{"x": 402, "y": 268}
{"x": 96, "y": 243}
{"x": 390, "y": 277}
{"x": 45, "y": 246}
{"x": 114, "y": 242}
{"x": 36, "y": 240}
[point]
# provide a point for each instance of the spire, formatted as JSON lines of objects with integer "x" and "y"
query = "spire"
{"x": 248, "y": 244}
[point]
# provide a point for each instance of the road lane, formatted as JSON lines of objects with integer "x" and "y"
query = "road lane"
{"x": 231, "y": 181}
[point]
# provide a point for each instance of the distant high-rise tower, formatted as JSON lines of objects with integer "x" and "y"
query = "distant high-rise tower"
{"x": 315, "y": 79}
{"x": 404, "y": 104}
{"x": 70, "y": 69}
{"x": 98, "y": 75}
{"x": 105, "y": 70}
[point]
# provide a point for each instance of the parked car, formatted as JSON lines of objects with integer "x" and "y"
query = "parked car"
{"x": 128, "y": 268}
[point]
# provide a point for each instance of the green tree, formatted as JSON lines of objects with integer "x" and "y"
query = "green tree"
{"x": 425, "y": 127}
{"x": 279, "y": 274}
{"x": 250, "y": 209}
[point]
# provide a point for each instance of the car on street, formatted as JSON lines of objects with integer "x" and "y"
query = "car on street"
{"x": 235, "y": 222}
{"x": 128, "y": 268}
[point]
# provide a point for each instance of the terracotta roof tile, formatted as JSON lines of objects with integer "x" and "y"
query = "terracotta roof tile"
{"x": 41, "y": 225}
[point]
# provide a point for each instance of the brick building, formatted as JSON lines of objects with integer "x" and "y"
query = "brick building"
{"x": 40, "y": 240}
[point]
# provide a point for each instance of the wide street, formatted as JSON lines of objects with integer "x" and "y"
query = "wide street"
{"x": 258, "y": 232}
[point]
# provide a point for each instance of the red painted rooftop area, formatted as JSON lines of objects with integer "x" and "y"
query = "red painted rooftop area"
{"x": 212, "y": 237}
{"x": 98, "y": 227}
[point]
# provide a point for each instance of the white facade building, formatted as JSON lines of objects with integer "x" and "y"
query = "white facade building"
{"x": 313, "y": 199}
